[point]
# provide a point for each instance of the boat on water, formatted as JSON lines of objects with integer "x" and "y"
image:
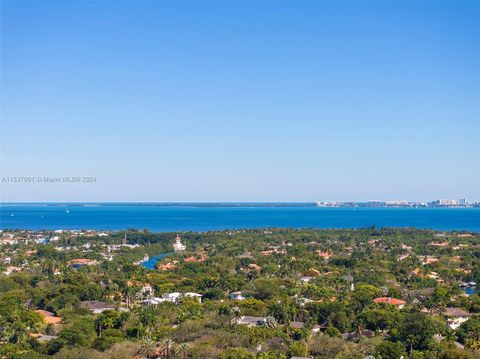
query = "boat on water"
{"x": 468, "y": 284}
{"x": 145, "y": 259}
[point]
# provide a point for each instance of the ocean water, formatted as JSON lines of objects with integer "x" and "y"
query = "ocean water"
{"x": 201, "y": 218}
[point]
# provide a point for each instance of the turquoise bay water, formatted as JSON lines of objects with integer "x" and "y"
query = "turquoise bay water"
{"x": 200, "y": 218}
{"x": 471, "y": 290}
{"x": 150, "y": 264}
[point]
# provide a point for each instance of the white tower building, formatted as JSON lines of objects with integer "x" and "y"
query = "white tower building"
{"x": 178, "y": 245}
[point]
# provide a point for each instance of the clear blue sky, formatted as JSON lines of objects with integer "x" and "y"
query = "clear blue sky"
{"x": 241, "y": 101}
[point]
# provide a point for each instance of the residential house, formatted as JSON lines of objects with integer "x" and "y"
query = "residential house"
{"x": 96, "y": 307}
{"x": 176, "y": 296}
{"x": 251, "y": 321}
{"x": 456, "y": 316}
{"x": 168, "y": 266}
{"x": 42, "y": 337}
{"x": 254, "y": 266}
{"x": 297, "y": 325}
{"x": 195, "y": 259}
{"x": 49, "y": 317}
{"x": 393, "y": 301}
{"x": 428, "y": 260}
{"x": 325, "y": 255}
{"x": 438, "y": 244}
{"x": 357, "y": 335}
{"x": 236, "y": 295}
{"x": 12, "y": 269}
{"x": 79, "y": 262}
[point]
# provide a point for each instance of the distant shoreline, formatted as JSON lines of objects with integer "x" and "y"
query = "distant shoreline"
{"x": 163, "y": 204}
{"x": 209, "y": 217}
{"x": 234, "y": 204}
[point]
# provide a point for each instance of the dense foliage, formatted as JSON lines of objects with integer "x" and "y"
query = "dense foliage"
{"x": 313, "y": 289}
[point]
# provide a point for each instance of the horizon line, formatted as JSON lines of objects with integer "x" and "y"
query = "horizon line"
{"x": 229, "y": 202}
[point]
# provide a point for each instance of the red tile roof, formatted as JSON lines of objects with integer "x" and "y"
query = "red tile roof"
{"x": 49, "y": 317}
{"x": 389, "y": 300}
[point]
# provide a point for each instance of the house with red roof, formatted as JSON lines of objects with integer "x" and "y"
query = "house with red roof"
{"x": 49, "y": 317}
{"x": 393, "y": 301}
{"x": 325, "y": 255}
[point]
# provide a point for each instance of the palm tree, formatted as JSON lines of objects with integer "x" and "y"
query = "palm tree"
{"x": 112, "y": 288}
{"x": 270, "y": 322}
{"x": 148, "y": 348}
{"x": 138, "y": 296}
{"x": 183, "y": 350}
{"x": 48, "y": 267}
{"x": 128, "y": 293}
{"x": 449, "y": 336}
{"x": 146, "y": 318}
{"x": 167, "y": 347}
{"x": 235, "y": 315}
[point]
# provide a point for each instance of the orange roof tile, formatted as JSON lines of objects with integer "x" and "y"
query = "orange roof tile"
{"x": 49, "y": 317}
{"x": 389, "y": 300}
{"x": 167, "y": 266}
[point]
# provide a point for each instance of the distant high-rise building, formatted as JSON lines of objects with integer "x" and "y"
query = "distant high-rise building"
{"x": 461, "y": 202}
{"x": 448, "y": 202}
{"x": 396, "y": 203}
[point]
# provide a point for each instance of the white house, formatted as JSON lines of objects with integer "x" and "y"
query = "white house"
{"x": 176, "y": 296}
{"x": 456, "y": 316}
{"x": 251, "y": 321}
{"x": 147, "y": 289}
{"x": 96, "y": 307}
{"x": 236, "y": 295}
{"x": 173, "y": 298}
{"x": 306, "y": 279}
{"x": 41, "y": 240}
{"x": 154, "y": 301}
{"x": 11, "y": 269}
{"x": 178, "y": 245}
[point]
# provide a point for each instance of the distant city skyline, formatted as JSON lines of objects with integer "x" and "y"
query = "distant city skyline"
{"x": 436, "y": 202}
{"x": 240, "y": 101}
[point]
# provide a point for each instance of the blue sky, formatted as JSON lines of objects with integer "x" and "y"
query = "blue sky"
{"x": 241, "y": 101}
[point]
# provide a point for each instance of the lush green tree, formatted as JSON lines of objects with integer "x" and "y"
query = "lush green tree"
{"x": 298, "y": 348}
{"x": 253, "y": 307}
{"x": 108, "y": 339}
{"x": 79, "y": 334}
{"x": 363, "y": 296}
{"x": 470, "y": 330}
{"x": 390, "y": 350}
{"x": 265, "y": 289}
{"x": 416, "y": 331}
{"x": 378, "y": 319}
{"x": 236, "y": 353}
